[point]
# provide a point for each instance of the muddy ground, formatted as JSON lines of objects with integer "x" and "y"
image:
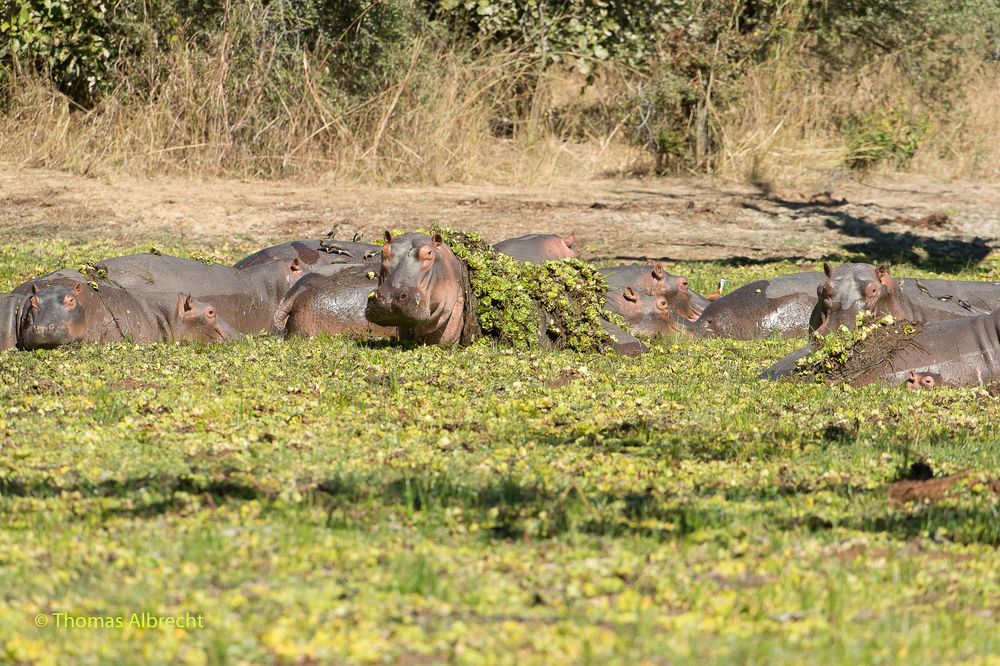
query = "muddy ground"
{"x": 882, "y": 218}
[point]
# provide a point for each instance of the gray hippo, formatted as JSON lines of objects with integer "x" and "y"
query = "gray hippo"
{"x": 63, "y": 310}
{"x": 246, "y": 298}
{"x": 652, "y": 280}
{"x": 853, "y": 288}
{"x": 11, "y": 313}
{"x": 313, "y": 254}
{"x": 536, "y": 248}
{"x": 424, "y": 290}
{"x": 332, "y": 300}
{"x": 781, "y": 305}
{"x": 646, "y": 316}
{"x": 953, "y": 352}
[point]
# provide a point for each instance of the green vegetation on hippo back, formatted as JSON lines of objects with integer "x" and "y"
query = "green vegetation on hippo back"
{"x": 450, "y": 287}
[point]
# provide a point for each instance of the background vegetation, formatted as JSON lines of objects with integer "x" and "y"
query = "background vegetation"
{"x": 436, "y": 90}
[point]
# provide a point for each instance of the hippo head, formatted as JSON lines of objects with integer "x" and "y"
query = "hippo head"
{"x": 675, "y": 289}
{"x": 921, "y": 380}
{"x": 56, "y": 315}
{"x": 197, "y": 321}
{"x": 648, "y": 316}
{"x": 562, "y": 247}
{"x": 849, "y": 290}
{"x": 419, "y": 283}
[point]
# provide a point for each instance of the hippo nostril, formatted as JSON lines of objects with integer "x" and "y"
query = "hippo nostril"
{"x": 402, "y": 296}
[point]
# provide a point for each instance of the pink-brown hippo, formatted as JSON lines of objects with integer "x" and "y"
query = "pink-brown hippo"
{"x": 246, "y": 298}
{"x": 781, "y": 305}
{"x": 313, "y": 254}
{"x": 536, "y": 248}
{"x": 646, "y": 316}
{"x": 65, "y": 309}
{"x": 12, "y": 308}
{"x": 652, "y": 280}
{"x": 953, "y": 352}
{"x": 332, "y": 300}
{"x": 853, "y": 288}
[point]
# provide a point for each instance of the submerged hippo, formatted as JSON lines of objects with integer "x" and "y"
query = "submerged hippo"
{"x": 536, "y": 248}
{"x": 246, "y": 298}
{"x": 953, "y": 352}
{"x": 647, "y": 316}
{"x": 331, "y": 300}
{"x": 11, "y": 313}
{"x": 853, "y": 288}
{"x": 424, "y": 290}
{"x": 652, "y": 280}
{"x": 63, "y": 311}
{"x": 313, "y": 254}
{"x": 779, "y": 305}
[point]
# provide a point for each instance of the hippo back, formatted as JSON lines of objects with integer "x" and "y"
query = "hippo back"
{"x": 780, "y": 305}
{"x": 536, "y": 248}
{"x": 314, "y": 253}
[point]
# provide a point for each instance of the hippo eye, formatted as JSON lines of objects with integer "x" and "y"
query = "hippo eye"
{"x": 661, "y": 304}
{"x": 927, "y": 381}
{"x": 210, "y": 313}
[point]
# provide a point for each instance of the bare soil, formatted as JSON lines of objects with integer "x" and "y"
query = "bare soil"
{"x": 888, "y": 217}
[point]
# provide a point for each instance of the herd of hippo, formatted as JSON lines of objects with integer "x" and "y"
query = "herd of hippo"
{"x": 413, "y": 287}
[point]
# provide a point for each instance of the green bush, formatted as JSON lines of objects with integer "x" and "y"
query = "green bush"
{"x": 884, "y": 135}
{"x": 69, "y": 39}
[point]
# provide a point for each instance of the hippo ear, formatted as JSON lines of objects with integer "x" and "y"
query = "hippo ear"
{"x": 437, "y": 240}
{"x": 658, "y": 272}
{"x": 828, "y": 269}
{"x": 882, "y": 272}
{"x": 630, "y": 295}
{"x": 185, "y": 304}
{"x": 78, "y": 289}
{"x": 569, "y": 240}
{"x": 911, "y": 376}
{"x": 388, "y": 236}
{"x": 296, "y": 266}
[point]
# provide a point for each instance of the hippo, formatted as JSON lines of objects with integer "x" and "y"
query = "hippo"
{"x": 332, "y": 299}
{"x": 64, "y": 310}
{"x": 11, "y": 312}
{"x": 918, "y": 381}
{"x": 652, "y": 280}
{"x": 852, "y": 288}
{"x": 536, "y": 248}
{"x": 646, "y": 316}
{"x": 762, "y": 308}
{"x": 424, "y": 291}
{"x": 313, "y": 254}
{"x": 246, "y": 298}
{"x": 952, "y": 352}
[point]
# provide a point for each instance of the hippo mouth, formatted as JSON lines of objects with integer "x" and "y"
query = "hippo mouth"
{"x": 400, "y": 311}
{"x": 46, "y": 336}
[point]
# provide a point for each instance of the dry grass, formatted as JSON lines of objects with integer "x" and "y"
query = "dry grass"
{"x": 788, "y": 123}
{"x": 449, "y": 116}
{"x": 454, "y": 115}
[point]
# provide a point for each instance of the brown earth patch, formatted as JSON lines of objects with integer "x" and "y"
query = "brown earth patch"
{"x": 932, "y": 491}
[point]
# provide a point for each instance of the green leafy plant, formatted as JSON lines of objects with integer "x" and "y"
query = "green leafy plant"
{"x": 885, "y": 135}
{"x": 515, "y": 301}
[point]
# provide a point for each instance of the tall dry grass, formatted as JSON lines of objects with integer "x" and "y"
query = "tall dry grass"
{"x": 789, "y": 122}
{"x": 239, "y": 107}
{"x": 450, "y": 115}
